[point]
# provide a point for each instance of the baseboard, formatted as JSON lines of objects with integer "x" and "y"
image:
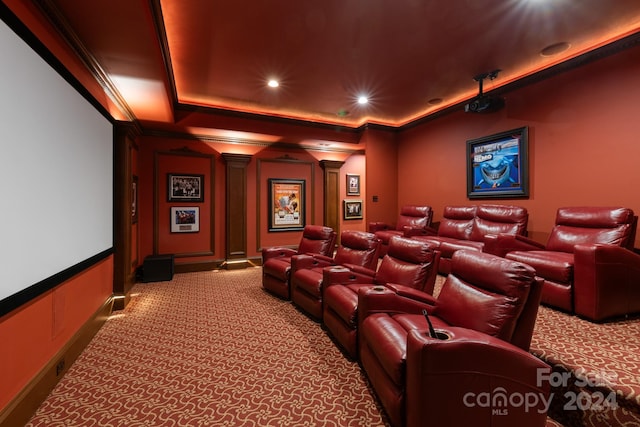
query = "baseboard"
{"x": 23, "y": 406}
{"x": 191, "y": 267}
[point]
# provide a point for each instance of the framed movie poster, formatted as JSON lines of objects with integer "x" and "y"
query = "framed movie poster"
{"x": 286, "y": 204}
{"x": 353, "y": 184}
{"x": 352, "y": 209}
{"x": 497, "y": 165}
{"x": 185, "y": 219}
{"x": 185, "y": 188}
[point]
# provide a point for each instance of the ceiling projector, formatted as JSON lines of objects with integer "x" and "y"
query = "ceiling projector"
{"x": 484, "y": 103}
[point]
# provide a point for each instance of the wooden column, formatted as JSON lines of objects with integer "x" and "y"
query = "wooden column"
{"x": 331, "y": 170}
{"x": 236, "y": 210}
{"x": 124, "y": 259}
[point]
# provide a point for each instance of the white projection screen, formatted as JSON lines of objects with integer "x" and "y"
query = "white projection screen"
{"x": 56, "y": 169}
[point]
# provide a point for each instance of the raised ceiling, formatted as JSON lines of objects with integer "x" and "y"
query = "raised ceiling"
{"x": 411, "y": 58}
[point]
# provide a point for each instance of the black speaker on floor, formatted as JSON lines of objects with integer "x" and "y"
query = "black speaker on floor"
{"x": 157, "y": 268}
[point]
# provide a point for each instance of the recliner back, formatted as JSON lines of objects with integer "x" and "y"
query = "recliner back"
{"x": 358, "y": 248}
{"x": 457, "y": 222}
{"x": 407, "y": 262}
{"x": 588, "y": 225}
{"x": 317, "y": 239}
{"x": 486, "y": 293}
{"x": 496, "y": 219}
{"x": 414, "y": 216}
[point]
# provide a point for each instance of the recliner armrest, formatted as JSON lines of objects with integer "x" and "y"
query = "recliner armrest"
{"x": 306, "y": 261}
{"x": 341, "y": 275}
{"x": 379, "y": 226}
{"x": 412, "y": 293}
{"x": 392, "y": 298}
{"x": 465, "y": 367}
{"x": 423, "y": 231}
{"x": 501, "y": 244}
{"x": 606, "y": 281}
{"x": 277, "y": 252}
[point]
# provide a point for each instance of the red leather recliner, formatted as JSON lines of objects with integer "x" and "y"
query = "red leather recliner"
{"x": 484, "y": 317}
{"x": 408, "y": 263}
{"x": 588, "y": 265}
{"x": 276, "y": 261}
{"x": 465, "y": 227}
{"x": 356, "y": 249}
{"x": 411, "y": 217}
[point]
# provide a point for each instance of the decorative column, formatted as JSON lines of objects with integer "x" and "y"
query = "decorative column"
{"x": 236, "y": 210}
{"x": 125, "y": 201}
{"x": 331, "y": 170}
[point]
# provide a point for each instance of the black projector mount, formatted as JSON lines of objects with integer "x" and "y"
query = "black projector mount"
{"x": 484, "y": 103}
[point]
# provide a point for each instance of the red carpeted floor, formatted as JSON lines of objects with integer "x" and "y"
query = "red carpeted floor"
{"x": 210, "y": 349}
{"x": 215, "y": 349}
{"x": 596, "y": 368}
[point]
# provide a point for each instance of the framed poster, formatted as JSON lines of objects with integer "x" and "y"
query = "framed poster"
{"x": 353, "y": 185}
{"x": 286, "y": 204}
{"x": 497, "y": 165}
{"x": 185, "y": 219}
{"x": 185, "y": 188}
{"x": 352, "y": 209}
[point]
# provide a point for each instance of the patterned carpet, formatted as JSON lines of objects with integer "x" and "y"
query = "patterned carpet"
{"x": 601, "y": 364}
{"x": 210, "y": 349}
{"x": 214, "y": 349}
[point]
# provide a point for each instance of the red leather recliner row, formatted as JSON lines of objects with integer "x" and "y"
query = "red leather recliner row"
{"x": 486, "y": 308}
{"x": 357, "y": 250}
{"x": 483, "y": 320}
{"x": 465, "y": 227}
{"x": 408, "y": 264}
{"x": 276, "y": 261}
{"x": 412, "y": 218}
{"x": 588, "y": 264}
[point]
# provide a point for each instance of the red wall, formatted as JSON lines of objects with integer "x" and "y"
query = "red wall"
{"x": 583, "y": 144}
{"x": 382, "y": 176}
{"x": 159, "y": 156}
{"x": 33, "y": 334}
{"x": 354, "y": 165}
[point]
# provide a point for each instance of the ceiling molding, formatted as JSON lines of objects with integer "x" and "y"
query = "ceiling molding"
{"x": 191, "y": 108}
{"x": 617, "y": 46}
{"x": 61, "y": 25}
{"x": 290, "y": 146}
{"x": 163, "y": 42}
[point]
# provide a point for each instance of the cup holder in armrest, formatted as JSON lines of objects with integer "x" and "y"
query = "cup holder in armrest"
{"x": 440, "y": 335}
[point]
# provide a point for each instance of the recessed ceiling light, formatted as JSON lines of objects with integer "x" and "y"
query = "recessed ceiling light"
{"x": 363, "y": 100}
{"x": 555, "y": 49}
{"x": 273, "y": 83}
{"x": 435, "y": 101}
